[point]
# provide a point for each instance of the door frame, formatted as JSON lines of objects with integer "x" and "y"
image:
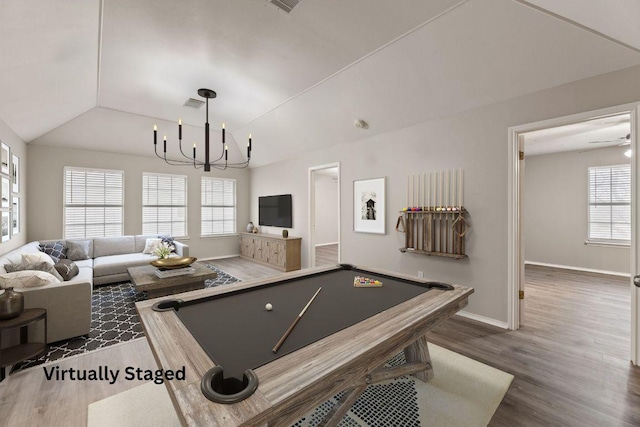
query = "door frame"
{"x": 312, "y": 209}
{"x": 514, "y": 240}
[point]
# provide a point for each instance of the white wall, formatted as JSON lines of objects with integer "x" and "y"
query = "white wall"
{"x": 326, "y": 213}
{"x": 45, "y": 197}
{"x": 475, "y": 140}
{"x": 19, "y": 148}
{"x": 555, "y": 211}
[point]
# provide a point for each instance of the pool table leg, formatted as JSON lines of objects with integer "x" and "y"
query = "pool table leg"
{"x": 419, "y": 352}
{"x": 332, "y": 419}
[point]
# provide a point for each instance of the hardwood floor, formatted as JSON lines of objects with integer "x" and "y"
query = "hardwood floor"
{"x": 27, "y": 398}
{"x": 327, "y": 254}
{"x": 569, "y": 359}
{"x": 243, "y": 269}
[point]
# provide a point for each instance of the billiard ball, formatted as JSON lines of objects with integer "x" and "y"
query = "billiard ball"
{"x": 268, "y": 307}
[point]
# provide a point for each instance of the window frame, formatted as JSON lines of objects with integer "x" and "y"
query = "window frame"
{"x": 594, "y": 241}
{"x": 186, "y": 203}
{"x": 235, "y": 207}
{"x": 65, "y": 206}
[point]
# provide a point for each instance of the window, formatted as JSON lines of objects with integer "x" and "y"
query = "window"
{"x": 164, "y": 204}
{"x": 92, "y": 202}
{"x": 610, "y": 204}
{"x": 218, "y": 211}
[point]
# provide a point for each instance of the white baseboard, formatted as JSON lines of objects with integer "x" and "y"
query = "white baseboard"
{"x": 326, "y": 244}
{"x": 219, "y": 257}
{"x": 588, "y": 270}
{"x": 483, "y": 319}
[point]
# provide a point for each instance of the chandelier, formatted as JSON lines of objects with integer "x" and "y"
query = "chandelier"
{"x": 221, "y": 162}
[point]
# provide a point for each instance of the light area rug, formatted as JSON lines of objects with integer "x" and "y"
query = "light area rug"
{"x": 463, "y": 392}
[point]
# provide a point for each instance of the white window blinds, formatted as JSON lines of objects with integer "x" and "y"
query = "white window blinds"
{"x": 218, "y": 206}
{"x": 164, "y": 204}
{"x": 93, "y": 200}
{"x": 610, "y": 204}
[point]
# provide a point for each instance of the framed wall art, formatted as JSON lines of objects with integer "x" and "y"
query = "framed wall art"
{"x": 15, "y": 173}
{"x": 15, "y": 215}
{"x": 4, "y": 158}
{"x": 369, "y": 206}
{"x": 5, "y": 227}
{"x": 5, "y": 192}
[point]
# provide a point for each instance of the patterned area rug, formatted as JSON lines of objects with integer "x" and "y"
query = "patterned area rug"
{"x": 114, "y": 319}
{"x": 463, "y": 393}
{"x": 393, "y": 403}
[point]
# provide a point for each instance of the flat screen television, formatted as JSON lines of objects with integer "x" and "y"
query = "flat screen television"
{"x": 275, "y": 211}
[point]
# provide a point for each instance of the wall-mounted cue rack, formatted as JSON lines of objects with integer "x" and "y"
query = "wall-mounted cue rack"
{"x": 434, "y": 220}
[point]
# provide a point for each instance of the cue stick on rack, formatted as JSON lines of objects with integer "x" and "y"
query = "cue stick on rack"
{"x": 295, "y": 322}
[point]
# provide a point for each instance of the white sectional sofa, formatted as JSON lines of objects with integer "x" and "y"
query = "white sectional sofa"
{"x": 68, "y": 303}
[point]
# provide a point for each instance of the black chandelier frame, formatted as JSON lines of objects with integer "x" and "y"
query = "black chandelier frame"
{"x": 221, "y": 163}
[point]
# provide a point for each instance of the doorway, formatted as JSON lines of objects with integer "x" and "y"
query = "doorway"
{"x": 517, "y": 137}
{"x": 324, "y": 215}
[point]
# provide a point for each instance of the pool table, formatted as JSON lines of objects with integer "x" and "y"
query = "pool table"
{"x": 224, "y": 338}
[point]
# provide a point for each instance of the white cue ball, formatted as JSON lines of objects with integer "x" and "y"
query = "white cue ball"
{"x": 269, "y": 307}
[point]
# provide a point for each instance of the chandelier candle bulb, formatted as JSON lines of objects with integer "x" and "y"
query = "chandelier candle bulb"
{"x": 223, "y": 135}
{"x": 194, "y": 151}
{"x": 180, "y": 129}
{"x": 155, "y": 134}
{"x": 165, "y": 144}
{"x": 226, "y": 150}
{"x": 249, "y": 142}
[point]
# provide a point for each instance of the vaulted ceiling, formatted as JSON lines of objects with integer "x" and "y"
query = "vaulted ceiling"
{"x": 98, "y": 74}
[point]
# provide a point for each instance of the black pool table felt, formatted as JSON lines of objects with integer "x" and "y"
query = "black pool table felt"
{"x": 238, "y": 333}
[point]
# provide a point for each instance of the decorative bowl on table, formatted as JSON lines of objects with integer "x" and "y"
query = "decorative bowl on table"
{"x": 174, "y": 262}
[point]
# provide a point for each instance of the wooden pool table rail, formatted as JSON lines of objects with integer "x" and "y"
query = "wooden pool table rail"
{"x": 291, "y": 385}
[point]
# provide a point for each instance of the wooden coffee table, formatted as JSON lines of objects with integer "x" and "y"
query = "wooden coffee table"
{"x": 144, "y": 279}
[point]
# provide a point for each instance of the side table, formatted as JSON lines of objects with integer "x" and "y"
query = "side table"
{"x": 24, "y": 350}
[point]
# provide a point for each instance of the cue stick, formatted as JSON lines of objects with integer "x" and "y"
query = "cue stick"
{"x": 295, "y": 322}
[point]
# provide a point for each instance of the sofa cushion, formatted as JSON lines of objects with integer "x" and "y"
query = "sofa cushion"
{"x": 15, "y": 256}
{"x": 28, "y": 258}
{"x": 88, "y": 263}
{"x": 26, "y": 279}
{"x": 78, "y": 250}
{"x": 67, "y": 269}
{"x": 34, "y": 266}
{"x": 55, "y": 250}
{"x": 106, "y": 246}
{"x": 118, "y": 264}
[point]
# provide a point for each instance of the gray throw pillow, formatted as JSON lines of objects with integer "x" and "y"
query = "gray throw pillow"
{"x": 168, "y": 240}
{"x": 78, "y": 250}
{"x": 37, "y": 266}
{"x": 67, "y": 269}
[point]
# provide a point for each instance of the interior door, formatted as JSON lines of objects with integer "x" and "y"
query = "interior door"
{"x": 635, "y": 239}
{"x": 521, "y": 227}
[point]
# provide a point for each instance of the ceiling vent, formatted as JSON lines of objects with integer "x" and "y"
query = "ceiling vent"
{"x": 193, "y": 103}
{"x": 286, "y": 5}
